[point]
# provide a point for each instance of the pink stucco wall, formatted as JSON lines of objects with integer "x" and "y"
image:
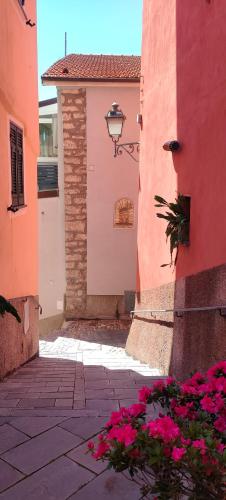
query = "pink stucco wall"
{"x": 158, "y": 107}
{"x": 183, "y": 97}
{"x": 111, "y": 251}
{"x": 19, "y": 103}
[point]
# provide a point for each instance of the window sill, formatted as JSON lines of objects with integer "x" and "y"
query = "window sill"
{"x": 15, "y": 208}
{"x": 51, "y": 193}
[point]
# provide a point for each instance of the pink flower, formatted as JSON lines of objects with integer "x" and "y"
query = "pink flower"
{"x": 170, "y": 380}
{"x": 144, "y": 394}
{"x": 220, "y": 424}
{"x": 125, "y": 434}
{"x": 181, "y": 411}
{"x": 212, "y": 404}
{"x": 219, "y": 402}
{"x": 200, "y": 445}
{"x": 177, "y": 453}
{"x": 189, "y": 389}
{"x": 217, "y": 369}
{"x": 207, "y": 404}
{"x": 90, "y": 445}
{"x": 163, "y": 428}
{"x": 117, "y": 417}
{"x": 220, "y": 447}
{"x": 101, "y": 450}
{"x": 218, "y": 384}
{"x": 197, "y": 378}
{"x": 203, "y": 388}
{"x": 158, "y": 385}
{"x": 185, "y": 442}
{"x": 137, "y": 409}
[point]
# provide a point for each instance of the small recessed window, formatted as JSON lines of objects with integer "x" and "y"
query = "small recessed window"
{"x": 48, "y": 136}
{"x": 124, "y": 213}
{"x": 17, "y": 165}
{"x": 47, "y": 181}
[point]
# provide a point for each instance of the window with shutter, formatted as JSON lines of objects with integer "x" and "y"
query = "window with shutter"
{"x": 17, "y": 170}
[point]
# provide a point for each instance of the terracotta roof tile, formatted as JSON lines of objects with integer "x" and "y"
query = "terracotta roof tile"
{"x": 95, "y": 67}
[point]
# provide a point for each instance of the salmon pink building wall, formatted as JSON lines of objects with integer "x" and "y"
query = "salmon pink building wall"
{"x": 19, "y": 104}
{"x": 183, "y": 97}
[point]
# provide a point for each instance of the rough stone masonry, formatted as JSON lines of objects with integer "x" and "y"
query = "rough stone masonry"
{"x": 75, "y": 189}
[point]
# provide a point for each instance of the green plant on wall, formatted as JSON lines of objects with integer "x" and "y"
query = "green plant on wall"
{"x": 178, "y": 220}
{"x": 5, "y": 306}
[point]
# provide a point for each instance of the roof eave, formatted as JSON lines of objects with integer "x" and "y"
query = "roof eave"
{"x": 72, "y": 79}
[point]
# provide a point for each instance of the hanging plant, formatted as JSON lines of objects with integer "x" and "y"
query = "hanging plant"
{"x": 5, "y": 306}
{"x": 178, "y": 220}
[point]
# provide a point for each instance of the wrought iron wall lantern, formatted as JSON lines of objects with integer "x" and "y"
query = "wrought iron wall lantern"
{"x": 115, "y": 121}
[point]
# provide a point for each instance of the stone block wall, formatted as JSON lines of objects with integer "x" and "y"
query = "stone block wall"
{"x": 191, "y": 342}
{"x": 73, "y": 104}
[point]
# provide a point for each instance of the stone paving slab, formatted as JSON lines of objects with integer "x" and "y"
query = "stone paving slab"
{"x": 10, "y": 437}
{"x": 80, "y": 456}
{"x": 41, "y": 450}
{"x": 57, "y": 481}
{"x": 84, "y": 427}
{"x": 109, "y": 486}
{"x": 8, "y": 475}
{"x": 33, "y": 426}
{"x": 102, "y": 404}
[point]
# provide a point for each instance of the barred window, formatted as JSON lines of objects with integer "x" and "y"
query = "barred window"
{"x": 48, "y": 180}
{"x": 17, "y": 165}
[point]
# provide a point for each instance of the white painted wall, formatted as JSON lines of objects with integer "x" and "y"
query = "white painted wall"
{"x": 51, "y": 236}
{"x": 111, "y": 250}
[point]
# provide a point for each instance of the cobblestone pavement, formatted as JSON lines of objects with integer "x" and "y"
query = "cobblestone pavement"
{"x": 50, "y": 407}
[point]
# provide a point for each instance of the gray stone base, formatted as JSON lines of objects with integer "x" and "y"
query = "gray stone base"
{"x": 47, "y": 325}
{"x": 180, "y": 345}
{"x": 150, "y": 338}
{"x": 100, "y": 306}
{"x": 17, "y": 347}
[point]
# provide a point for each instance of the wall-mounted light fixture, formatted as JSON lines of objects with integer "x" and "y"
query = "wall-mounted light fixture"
{"x": 171, "y": 146}
{"x": 115, "y": 120}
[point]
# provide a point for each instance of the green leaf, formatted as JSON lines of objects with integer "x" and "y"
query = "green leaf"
{"x": 178, "y": 223}
{"x": 162, "y": 216}
{"x": 5, "y": 306}
{"x": 161, "y": 200}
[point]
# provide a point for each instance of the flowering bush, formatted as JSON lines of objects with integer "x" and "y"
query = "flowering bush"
{"x": 180, "y": 454}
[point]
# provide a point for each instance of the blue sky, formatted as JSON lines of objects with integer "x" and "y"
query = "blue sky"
{"x": 92, "y": 26}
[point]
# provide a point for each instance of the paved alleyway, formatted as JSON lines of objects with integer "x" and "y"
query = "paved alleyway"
{"x": 50, "y": 407}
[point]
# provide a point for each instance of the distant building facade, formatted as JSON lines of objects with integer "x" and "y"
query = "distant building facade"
{"x": 51, "y": 219}
{"x": 100, "y": 191}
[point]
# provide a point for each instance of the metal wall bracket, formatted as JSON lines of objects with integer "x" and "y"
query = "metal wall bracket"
{"x": 129, "y": 147}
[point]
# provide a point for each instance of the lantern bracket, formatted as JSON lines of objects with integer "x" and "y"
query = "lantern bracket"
{"x": 129, "y": 147}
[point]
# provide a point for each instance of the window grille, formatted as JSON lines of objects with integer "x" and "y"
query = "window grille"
{"x": 47, "y": 177}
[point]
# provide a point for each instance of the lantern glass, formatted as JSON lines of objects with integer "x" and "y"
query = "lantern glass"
{"x": 115, "y": 119}
{"x": 115, "y": 125}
